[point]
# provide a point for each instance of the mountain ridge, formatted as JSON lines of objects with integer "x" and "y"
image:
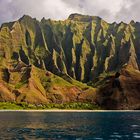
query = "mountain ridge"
{"x": 80, "y": 48}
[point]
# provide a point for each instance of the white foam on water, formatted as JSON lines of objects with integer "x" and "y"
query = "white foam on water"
{"x": 137, "y": 136}
{"x": 79, "y": 138}
{"x": 134, "y": 125}
{"x": 98, "y": 138}
{"x": 116, "y": 136}
{"x": 115, "y": 133}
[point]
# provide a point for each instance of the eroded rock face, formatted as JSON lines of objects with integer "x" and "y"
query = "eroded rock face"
{"x": 81, "y": 46}
{"x": 123, "y": 96}
{"x": 27, "y": 83}
{"x": 41, "y": 61}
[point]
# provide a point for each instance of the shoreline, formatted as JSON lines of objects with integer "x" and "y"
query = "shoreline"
{"x": 59, "y": 110}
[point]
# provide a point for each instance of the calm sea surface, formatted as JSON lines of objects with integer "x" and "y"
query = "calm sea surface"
{"x": 70, "y": 126}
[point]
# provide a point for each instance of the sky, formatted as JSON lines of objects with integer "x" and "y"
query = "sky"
{"x": 109, "y": 10}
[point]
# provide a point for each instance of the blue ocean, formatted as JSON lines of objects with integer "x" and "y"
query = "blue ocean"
{"x": 69, "y": 125}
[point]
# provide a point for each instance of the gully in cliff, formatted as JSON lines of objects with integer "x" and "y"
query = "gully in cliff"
{"x": 116, "y": 84}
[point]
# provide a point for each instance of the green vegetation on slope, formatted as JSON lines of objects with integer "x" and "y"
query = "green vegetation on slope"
{"x": 52, "y": 61}
{"x": 25, "y": 106}
{"x": 81, "y": 46}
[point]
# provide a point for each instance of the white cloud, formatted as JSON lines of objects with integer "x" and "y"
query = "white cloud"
{"x": 110, "y": 10}
{"x": 105, "y": 8}
{"x": 129, "y": 11}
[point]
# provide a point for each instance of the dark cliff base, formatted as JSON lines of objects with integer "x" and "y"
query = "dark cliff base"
{"x": 125, "y": 95}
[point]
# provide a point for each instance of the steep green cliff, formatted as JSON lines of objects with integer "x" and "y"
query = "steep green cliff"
{"x": 81, "y": 47}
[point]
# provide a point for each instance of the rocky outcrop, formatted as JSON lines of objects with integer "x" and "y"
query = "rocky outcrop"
{"x": 123, "y": 95}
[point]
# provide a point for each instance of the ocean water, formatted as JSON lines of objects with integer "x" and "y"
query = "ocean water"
{"x": 70, "y": 125}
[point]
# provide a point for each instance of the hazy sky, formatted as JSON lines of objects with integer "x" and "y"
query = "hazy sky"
{"x": 110, "y": 10}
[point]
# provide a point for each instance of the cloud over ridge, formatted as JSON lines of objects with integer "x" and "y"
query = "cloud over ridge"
{"x": 110, "y": 10}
